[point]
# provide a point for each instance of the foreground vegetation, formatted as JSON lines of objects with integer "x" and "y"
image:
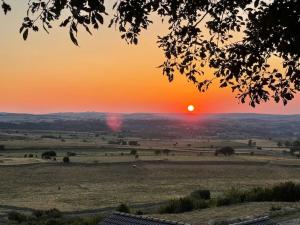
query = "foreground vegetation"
{"x": 200, "y": 199}
{"x": 49, "y": 217}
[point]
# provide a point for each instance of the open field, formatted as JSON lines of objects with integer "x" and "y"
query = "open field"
{"x": 80, "y": 186}
{"x": 102, "y": 175}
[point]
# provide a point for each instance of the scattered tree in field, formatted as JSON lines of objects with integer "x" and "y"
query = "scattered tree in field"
{"x": 237, "y": 39}
{"x": 279, "y": 144}
{"x": 157, "y": 152}
{"x": 134, "y": 143}
{"x": 250, "y": 143}
{"x": 2, "y": 147}
{"x": 295, "y": 148}
{"x": 226, "y": 151}
{"x": 136, "y": 156}
{"x": 133, "y": 152}
{"x": 123, "y": 208}
{"x": 287, "y": 143}
{"x": 66, "y": 159}
{"x": 166, "y": 151}
{"x": 71, "y": 154}
{"x": 48, "y": 154}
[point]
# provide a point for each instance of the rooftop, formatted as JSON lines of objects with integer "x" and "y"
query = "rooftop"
{"x": 129, "y": 219}
{"x": 258, "y": 221}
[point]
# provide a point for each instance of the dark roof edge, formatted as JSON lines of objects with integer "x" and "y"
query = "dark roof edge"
{"x": 150, "y": 218}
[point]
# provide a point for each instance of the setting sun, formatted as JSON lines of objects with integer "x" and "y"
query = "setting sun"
{"x": 191, "y": 108}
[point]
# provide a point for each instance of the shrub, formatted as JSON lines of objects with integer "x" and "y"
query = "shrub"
{"x": 157, "y": 152}
{"x": 133, "y": 152}
{"x": 232, "y": 196}
{"x": 178, "y": 206}
{"x": 289, "y": 192}
{"x": 166, "y": 151}
{"x": 51, "y": 214}
{"x": 200, "y": 204}
{"x": 48, "y": 154}
{"x": 135, "y": 143}
{"x": 227, "y": 151}
{"x": 18, "y": 217}
{"x": 123, "y": 208}
{"x": 139, "y": 212}
{"x": 275, "y": 208}
{"x": 2, "y": 147}
{"x": 223, "y": 201}
{"x": 66, "y": 159}
{"x": 30, "y": 156}
{"x": 201, "y": 194}
{"x": 71, "y": 154}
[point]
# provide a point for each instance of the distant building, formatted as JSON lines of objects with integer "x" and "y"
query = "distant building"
{"x": 128, "y": 219}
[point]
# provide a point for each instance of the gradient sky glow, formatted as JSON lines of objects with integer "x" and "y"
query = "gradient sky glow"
{"x": 48, "y": 73}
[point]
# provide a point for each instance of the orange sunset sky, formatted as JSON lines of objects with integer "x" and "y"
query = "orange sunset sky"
{"x": 47, "y": 73}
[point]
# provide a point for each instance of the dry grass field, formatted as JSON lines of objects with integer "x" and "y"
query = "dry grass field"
{"x": 80, "y": 186}
{"x": 101, "y": 176}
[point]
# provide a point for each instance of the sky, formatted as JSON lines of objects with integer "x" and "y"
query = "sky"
{"x": 47, "y": 73}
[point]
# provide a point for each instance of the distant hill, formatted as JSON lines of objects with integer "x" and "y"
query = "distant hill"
{"x": 162, "y": 125}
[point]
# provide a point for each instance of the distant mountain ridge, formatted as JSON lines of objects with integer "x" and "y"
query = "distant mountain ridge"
{"x": 23, "y": 117}
{"x": 159, "y": 125}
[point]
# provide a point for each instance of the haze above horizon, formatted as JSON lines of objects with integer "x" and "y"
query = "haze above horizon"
{"x": 104, "y": 74}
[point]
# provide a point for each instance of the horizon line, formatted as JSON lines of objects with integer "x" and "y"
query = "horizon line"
{"x": 162, "y": 113}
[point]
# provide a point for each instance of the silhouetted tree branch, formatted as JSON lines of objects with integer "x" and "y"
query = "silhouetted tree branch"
{"x": 236, "y": 39}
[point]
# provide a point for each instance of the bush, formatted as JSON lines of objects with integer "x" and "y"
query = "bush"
{"x": 18, "y": 217}
{"x": 226, "y": 151}
{"x": 232, "y": 196}
{"x": 48, "y": 154}
{"x": 134, "y": 143}
{"x": 66, "y": 159}
{"x": 51, "y": 214}
{"x": 166, "y": 151}
{"x": 139, "y": 212}
{"x": 178, "y": 206}
{"x": 133, "y": 152}
{"x": 157, "y": 152}
{"x": 123, "y": 208}
{"x": 288, "y": 192}
{"x": 71, "y": 154}
{"x": 201, "y": 194}
{"x": 200, "y": 204}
